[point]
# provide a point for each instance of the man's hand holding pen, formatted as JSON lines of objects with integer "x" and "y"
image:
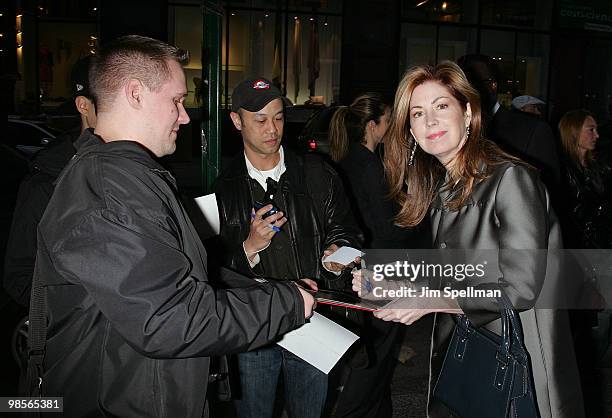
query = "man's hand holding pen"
{"x": 262, "y": 230}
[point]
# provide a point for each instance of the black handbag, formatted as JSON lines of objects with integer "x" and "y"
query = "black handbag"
{"x": 485, "y": 375}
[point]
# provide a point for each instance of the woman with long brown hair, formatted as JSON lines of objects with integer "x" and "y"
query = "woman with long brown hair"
{"x": 477, "y": 198}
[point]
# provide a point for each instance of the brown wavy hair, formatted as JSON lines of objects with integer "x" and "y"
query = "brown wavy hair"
{"x": 570, "y": 127}
{"x": 414, "y": 186}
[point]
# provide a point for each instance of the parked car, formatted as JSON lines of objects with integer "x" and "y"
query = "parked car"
{"x": 315, "y": 134}
{"x": 29, "y": 136}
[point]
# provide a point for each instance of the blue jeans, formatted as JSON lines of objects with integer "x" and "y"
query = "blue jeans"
{"x": 305, "y": 386}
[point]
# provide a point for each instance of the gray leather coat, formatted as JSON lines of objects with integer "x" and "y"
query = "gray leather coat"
{"x": 511, "y": 210}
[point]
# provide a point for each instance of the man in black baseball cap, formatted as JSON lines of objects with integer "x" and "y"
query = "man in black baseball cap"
{"x": 253, "y": 94}
{"x": 79, "y": 77}
{"x": 36, "y": 189}
{"x": 308, "y": 193}
{"x": 83, "y": 100}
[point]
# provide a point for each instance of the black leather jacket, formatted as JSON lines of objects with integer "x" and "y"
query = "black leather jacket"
{"x": 588, "y": 212}
{"x": 316, "y": 207}
{"x": 131, "y": 312}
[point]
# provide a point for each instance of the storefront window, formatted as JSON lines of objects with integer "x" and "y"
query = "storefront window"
{"x": 259, "y": 38}
{"x": 522, "y": 55}
{"x": 261, "y": 4}
{"x": 186, "y": 27}
{"x": 61, "y": 46}
{"x": 50, "y": 38}
{"x": 597, "y": 90}
{"x": 313, "y": 60}
{"x": 455, "y": 42}
{"x": 500, "y": 46}
{"x": 324, "y": 6}
{"x": 521, "y": 13}
{"x": 259, "y": 45}
{"x": 70, "y": 9}
{"x": 328, "y": 6}
{"x": 464, "y": 11}
{"x": 532, "y": 65}
{"x": 256, "y": 47}
{"x": 417, "y": 45}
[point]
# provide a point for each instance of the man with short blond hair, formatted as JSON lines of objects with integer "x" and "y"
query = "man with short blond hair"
{"x": 132, "y": 318}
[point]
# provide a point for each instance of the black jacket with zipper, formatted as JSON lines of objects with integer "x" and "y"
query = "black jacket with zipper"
{"x": 316, "y": 208}
{"x": 132, "y": 318}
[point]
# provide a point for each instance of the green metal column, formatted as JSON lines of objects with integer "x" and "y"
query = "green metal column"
{"x": 211, "y": 78}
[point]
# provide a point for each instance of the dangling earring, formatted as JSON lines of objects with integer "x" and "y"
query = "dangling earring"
{"x": 414, "y": 147}
{"x": 467, "y": 132}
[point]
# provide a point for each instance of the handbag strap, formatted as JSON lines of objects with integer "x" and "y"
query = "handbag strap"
{"x": 510, "y": 324}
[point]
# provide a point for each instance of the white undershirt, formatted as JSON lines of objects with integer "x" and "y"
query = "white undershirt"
{"x": 260, "y": 176}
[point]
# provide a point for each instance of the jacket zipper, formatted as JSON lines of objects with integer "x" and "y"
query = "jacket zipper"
{"x": 292, "y": 238}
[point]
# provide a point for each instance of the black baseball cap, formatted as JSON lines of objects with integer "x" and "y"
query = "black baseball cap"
{"x": 254, "y": 94}
{"x": 79, "y": 78}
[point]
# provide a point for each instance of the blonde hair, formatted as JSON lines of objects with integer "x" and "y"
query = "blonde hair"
{"x": 131, "y": 56}
{"x": 349, "y": 123}
{"x": 570, "y": 127}
{"x": 414, "y": 186}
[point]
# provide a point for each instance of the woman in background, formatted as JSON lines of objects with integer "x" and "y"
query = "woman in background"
{"x": 477, "y": 197}
{"x": 355, "y": 133}
{"x": 589, "y": 223}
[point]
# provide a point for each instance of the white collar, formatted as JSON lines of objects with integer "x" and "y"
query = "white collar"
{"x": 261, "y": 175}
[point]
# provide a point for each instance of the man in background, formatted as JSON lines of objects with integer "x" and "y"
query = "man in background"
{"x": 519, "y": 134}
{"x": 36, "y": 190}
{"x": 528, "y": 104}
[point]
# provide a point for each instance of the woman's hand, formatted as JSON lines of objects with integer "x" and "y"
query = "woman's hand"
{"x": 409, "y": 316}
{"x": 356, "y": 282}
{"x": 362, "y": 284}
{"x": 405, "y": 316}
{"x": 308, "y": 284}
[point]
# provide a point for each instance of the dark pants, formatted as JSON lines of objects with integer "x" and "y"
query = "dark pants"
{"x": 305, "y": 387}
{"x": 367, "y": 391}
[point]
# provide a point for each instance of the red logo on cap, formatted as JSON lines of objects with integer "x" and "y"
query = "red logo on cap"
{"x": 261, "y": 85}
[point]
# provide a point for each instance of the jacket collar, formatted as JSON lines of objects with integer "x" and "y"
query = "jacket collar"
{"x": 237, "y": 167}
{"x": 258, "y": 176}
{"x": 89, "y": 143}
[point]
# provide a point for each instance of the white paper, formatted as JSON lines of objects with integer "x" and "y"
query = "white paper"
{"x": 343, "y": 255}
{"x": 320, "y": 342}
{"x": 208, "y": 206}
